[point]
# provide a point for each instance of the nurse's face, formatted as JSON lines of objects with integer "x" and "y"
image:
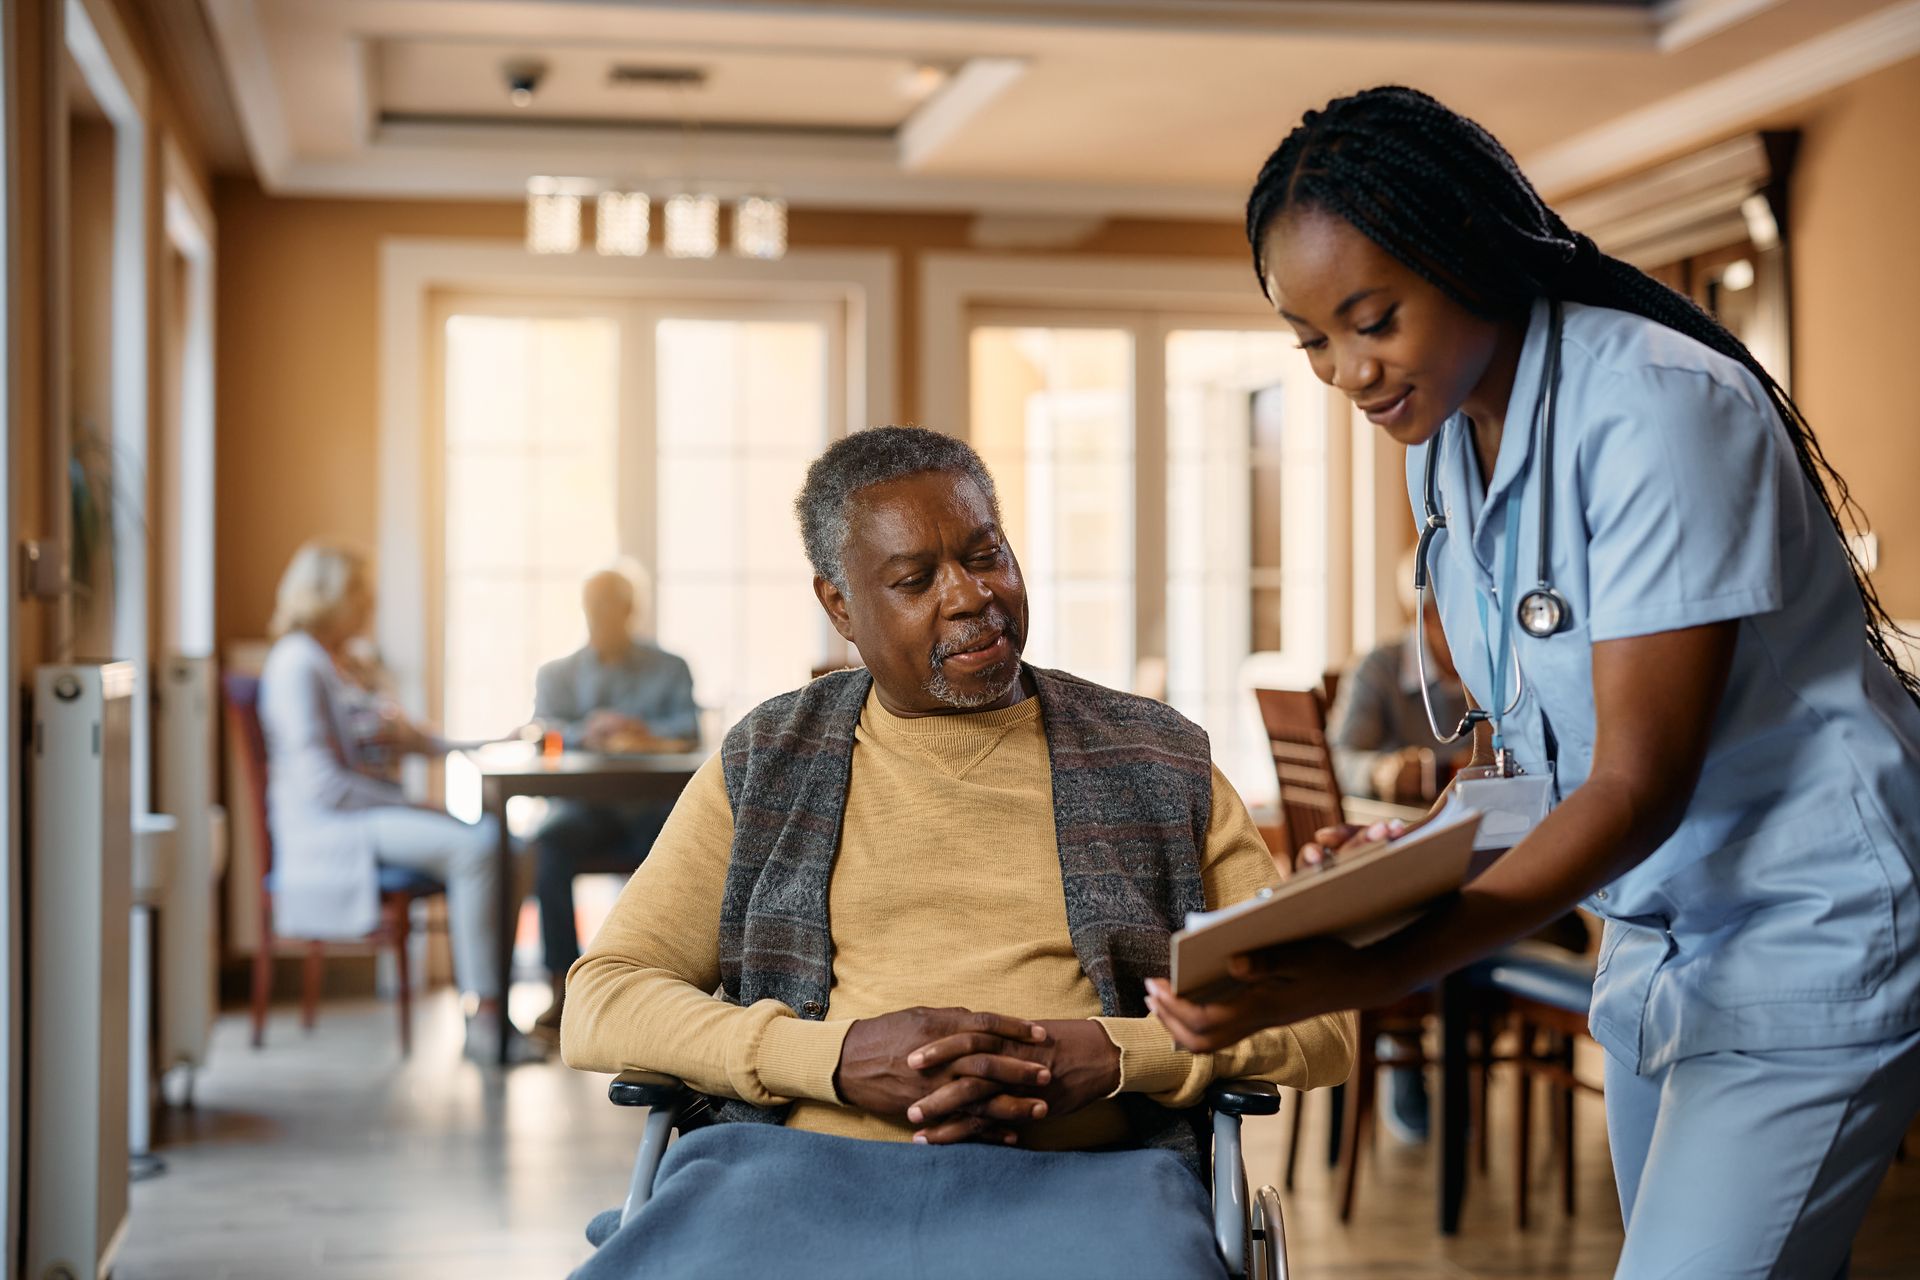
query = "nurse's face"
{"x": 1404, "y": 352}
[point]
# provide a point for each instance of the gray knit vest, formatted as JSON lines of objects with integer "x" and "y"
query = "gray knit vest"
{"x": 1132, "y": 795}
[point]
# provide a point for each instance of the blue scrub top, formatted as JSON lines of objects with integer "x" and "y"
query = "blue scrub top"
{"x": 1782, "y": 912}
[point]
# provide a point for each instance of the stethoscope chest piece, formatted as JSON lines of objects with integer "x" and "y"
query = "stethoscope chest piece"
{"x": 1542, "y": 612}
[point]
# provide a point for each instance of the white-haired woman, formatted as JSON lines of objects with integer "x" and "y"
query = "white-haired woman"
{"x": 335, "y": 813}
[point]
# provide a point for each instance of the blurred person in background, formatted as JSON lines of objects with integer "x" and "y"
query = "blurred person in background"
{"x": 1383, "y": 746}
{"x": 617, "y": 694}
{"x": 334, "y": 810}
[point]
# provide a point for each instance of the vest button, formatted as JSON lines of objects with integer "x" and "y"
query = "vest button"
{"x": 813, "y": 1008}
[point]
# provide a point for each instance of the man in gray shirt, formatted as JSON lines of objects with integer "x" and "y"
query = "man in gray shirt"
{"x": 1383, "y": 747}
{"x": 618, "y": 694}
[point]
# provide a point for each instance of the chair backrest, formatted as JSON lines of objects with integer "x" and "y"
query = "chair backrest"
{"x": 1296, "y": 724}
{"x": 243, "y": 722}
{"x": 1330, "y": 686}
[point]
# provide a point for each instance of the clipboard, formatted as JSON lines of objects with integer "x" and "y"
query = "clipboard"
{"x": 1360, "y": 896}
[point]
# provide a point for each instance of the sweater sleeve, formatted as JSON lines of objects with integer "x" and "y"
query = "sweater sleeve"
{"x": 641, "y": 997}
{"x": 1312, "y": 1054}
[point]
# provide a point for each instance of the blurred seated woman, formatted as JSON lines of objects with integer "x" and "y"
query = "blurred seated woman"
{"x": 337, "y": 814}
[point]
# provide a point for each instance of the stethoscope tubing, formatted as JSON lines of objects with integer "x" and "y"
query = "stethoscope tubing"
{"x": 1436, "y": 521}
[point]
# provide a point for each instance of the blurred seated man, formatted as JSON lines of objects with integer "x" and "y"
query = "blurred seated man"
{"x": 1383, "y": 746}
{"x": 916, "y": 904}
{"x": 618, "y": 694}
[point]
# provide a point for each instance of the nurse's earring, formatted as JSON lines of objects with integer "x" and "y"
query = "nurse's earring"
{"x": 1542, "y": 612}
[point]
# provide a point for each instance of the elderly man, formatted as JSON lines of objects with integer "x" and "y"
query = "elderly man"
{"x": 928, "y": 894}
{"x": 618, "y": 693}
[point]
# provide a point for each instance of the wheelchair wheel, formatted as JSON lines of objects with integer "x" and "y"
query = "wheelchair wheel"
{"x": 1267, "y": 1260}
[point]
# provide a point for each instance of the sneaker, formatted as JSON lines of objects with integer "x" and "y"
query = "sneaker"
{"x": 1405, "y": 1112}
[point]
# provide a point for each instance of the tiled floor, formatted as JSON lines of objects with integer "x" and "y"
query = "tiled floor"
{"x": 327, "y": 1156}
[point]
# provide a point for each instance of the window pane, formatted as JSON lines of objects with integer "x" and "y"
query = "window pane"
{"x": 1223, "y": 530}
{"x": 742, "y": 410}
{"x": 1053, "y": 419}
{"x": 531, "y": 429}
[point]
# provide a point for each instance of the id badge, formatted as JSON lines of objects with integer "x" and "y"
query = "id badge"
{"x": 1513, "y": 807}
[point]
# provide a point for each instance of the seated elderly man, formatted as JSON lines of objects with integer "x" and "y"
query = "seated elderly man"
{"x": 928, "y": 895}
{"x": 616, "y": 693}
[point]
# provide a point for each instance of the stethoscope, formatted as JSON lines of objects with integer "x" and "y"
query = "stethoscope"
{"x": 1540, "y": 612}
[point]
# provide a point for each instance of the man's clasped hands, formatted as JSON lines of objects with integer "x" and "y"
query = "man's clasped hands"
{"x": 961, "y": 1076}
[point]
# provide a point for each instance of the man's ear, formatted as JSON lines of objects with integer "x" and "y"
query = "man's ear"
{"x": 834, "y": 601}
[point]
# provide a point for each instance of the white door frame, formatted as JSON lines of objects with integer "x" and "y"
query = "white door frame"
{"x": 1362, "y": 512}
{"x": 100, "y": 46}
{"x": 412, "y": 271}
{"x": 636, "y": 510}
{"x": 186, "y": 516}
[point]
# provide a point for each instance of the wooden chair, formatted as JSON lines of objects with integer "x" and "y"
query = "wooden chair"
{"x": 1296, "y": 724}
{"x": 1543, "y": 994}
{"x": 398, "y": 886}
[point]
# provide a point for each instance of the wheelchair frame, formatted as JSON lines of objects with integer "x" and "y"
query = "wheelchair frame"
{"x": 1247, "y": 1229}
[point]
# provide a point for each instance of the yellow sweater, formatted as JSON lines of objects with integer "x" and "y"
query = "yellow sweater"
{"x": 946, "y": 891}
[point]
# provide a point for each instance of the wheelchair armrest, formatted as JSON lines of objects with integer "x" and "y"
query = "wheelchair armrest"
{"x": 1244, "y": 1097}
{"x": 648, "y": 1089}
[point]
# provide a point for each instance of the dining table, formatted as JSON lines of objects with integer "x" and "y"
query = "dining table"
{"x": 589, "y": 777}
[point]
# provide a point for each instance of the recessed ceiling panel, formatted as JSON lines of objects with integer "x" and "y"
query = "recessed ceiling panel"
{"x": 651, "y": 84}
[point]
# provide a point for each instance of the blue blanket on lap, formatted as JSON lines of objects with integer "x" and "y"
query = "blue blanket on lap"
{"x": 753, "y": 1200}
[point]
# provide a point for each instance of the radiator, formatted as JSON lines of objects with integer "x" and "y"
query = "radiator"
{"x": 184, "y": 765}
{"x": 77, "y": 990}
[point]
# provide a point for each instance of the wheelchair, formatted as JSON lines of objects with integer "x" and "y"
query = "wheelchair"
{"x": 1247, "y": 1230}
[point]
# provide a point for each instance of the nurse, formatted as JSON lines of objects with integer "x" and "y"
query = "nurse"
{"x": 1634, "y": 543}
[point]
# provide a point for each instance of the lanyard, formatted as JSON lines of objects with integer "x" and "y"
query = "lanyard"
{"x": 1500, "y": 649}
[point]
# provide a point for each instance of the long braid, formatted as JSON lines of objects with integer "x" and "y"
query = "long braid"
{"x": 1439, "y": 193}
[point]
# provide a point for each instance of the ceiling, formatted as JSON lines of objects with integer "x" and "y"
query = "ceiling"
{"x": 1082, "y": 107}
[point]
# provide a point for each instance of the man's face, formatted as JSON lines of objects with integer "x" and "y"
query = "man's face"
{"x": 934, "y": 598}
{"x": 609, "y": 618}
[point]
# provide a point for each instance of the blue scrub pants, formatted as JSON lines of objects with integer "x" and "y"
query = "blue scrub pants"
{"x": 1756, "y": 1164}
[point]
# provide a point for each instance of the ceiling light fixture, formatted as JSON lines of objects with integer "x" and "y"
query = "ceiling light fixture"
{"x": 921, "y": 80}
{"x": 553, "y": 215}
{"x": 760, "y": 228}
{"x": 693, "y": 225}
{"x": 621, "y": 220}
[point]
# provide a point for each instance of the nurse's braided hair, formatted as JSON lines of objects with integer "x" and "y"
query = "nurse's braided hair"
{"x": 1442, "y": 195}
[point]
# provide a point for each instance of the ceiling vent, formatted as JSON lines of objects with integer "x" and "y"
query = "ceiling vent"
{"x": 642, "y": 75}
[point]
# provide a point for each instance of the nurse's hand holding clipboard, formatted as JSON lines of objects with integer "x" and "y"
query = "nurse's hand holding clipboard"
{"x": 1271, "y": 981}
{"x": 1655, "y": 698}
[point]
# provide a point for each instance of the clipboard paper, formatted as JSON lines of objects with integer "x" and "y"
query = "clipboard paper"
{"x": 1361, "y": 896}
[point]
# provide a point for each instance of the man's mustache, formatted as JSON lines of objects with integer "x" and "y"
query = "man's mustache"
{"x": 989, "y": 623}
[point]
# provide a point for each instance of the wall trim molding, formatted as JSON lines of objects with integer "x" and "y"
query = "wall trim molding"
{"x": 1719, "y": 106}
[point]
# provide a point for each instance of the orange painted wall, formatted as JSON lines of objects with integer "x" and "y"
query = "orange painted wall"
{"x": 1856, "y": 276}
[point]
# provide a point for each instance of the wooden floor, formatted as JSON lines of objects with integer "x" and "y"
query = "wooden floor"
{"x": 327, "y": 1156}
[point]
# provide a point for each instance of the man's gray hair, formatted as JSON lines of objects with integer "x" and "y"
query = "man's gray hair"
{"x": 864, "y": 459}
